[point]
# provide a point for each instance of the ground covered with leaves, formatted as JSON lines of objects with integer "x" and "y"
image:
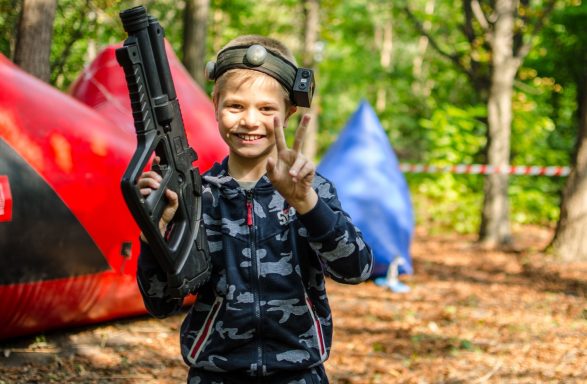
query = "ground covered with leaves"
{"x": 472, "y": 316}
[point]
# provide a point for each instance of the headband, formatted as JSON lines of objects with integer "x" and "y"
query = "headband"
{"x": 298, "y": 81}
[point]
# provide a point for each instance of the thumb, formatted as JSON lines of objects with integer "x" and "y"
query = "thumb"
{"x": 173, "y": 204}
{"x": 173, "y": 198}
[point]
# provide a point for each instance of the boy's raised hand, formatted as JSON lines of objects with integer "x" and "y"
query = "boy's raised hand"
{"x": 149, "y": 181}
{"x": 292, "y": 173}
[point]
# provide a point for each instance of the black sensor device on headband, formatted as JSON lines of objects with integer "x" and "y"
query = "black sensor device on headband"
{"x": 303, "y": 88}
{"x": 298, "y": 81}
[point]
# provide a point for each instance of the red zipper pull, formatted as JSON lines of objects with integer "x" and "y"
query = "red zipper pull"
{"x": 249, "y": 212}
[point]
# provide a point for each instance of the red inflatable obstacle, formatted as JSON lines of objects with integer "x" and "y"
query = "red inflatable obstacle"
{"x": 68, "y": 245}
{"x": 102, "y": 87}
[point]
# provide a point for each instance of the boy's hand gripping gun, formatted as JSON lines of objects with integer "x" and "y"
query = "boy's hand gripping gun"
{"x": 183, "y": 251}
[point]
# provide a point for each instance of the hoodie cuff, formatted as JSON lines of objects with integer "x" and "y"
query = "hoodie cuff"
{"x": 319, "y": 220}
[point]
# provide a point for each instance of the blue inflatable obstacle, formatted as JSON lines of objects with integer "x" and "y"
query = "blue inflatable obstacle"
{"x": 372, "y": 189}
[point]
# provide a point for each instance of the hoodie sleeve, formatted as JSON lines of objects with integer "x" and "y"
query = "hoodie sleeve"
{"x": 152, "y": 283}
{"x": 332, "y": 235}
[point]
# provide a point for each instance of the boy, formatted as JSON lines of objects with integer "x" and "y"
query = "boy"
{"x": 273, "y": 227}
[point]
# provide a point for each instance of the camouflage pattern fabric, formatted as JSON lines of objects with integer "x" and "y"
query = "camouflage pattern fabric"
{"x": 264, "y": 311}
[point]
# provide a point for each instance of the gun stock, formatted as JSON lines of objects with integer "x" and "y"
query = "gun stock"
{"x": 183, "y": 252}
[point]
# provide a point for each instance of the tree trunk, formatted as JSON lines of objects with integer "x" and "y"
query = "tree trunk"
{"x": 33, "y": 44}
{"x": 195, "y": 29}
{"x": 312, "y": 30}
{"x": 495, "y": 225}
{"x": 569, "y": 242}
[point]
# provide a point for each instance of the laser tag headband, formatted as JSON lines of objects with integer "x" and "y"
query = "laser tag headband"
{"x": 298, "y": 81}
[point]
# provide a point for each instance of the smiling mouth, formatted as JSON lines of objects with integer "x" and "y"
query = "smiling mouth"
{"x": 248, "y": 137}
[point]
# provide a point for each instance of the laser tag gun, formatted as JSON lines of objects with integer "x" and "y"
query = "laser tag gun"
{"x": 183, "y": 251}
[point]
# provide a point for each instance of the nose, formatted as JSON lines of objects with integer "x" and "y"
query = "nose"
{"x": 250, "y": 118}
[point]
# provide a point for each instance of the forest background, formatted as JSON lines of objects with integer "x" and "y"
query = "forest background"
{"x": 427, "y": 67}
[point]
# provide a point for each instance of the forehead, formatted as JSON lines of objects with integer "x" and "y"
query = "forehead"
{"x": 244, "y": 80}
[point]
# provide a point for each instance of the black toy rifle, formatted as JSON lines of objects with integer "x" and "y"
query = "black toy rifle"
{"x": 183, "y": 252}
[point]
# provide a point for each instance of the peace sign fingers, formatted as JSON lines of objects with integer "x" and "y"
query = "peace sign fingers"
{"x": 301, "y": 133}
{"x": 292, "y": 173}
{"x": 280, "y": 141}
{"x": 279, "y": 135}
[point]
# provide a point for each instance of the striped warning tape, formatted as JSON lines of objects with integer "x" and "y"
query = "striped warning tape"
{"x": 482, "y": 169}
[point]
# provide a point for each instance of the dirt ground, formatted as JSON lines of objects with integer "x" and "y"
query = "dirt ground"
{"x": 472, "y": 316}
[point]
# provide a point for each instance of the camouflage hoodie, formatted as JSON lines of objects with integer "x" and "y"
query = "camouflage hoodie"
{"x": 265, "y": 308}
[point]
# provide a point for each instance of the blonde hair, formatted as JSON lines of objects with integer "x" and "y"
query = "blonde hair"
{"x": 244, "y": 76}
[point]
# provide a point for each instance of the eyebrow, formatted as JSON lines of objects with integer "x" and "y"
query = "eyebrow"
{"x": 239, "y": 99}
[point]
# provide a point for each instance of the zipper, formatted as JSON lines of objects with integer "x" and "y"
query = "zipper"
{"x": 249, "y": 208}
{"x": 317, "y": 328}
{"x": 255, "y": 274}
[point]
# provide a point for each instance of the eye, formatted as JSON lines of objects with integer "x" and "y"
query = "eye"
{"x": 268, "y": 108}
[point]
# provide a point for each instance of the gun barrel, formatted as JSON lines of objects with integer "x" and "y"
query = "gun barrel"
{"x": 134, "y": 19}
{"x": 157, "y": 34}
{"x": 136, "y": 23}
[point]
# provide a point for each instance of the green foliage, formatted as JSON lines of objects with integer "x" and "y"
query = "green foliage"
{"x": 454, "y": 135}
{"x": 564, "y": 45}
{"x": 536, "y": 141}
{"x": 81, "y": 30}
{"x": 545, "y": 125}
{"x": 446, "y": 201}
{"x": 9, "y": 12}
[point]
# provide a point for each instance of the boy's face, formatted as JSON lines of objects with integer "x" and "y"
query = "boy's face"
{"x": 245, "y": 111}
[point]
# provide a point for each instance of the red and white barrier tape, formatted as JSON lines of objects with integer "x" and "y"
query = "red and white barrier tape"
{"x": 482, "y": 169}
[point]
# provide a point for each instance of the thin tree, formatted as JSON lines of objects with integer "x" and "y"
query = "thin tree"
{"x": 310, "y": 50}
{"x": 420, "y": 86}
{"x": 569, "y": 242}
{"x": 35, "y": 31}
{"x": 384, "y": 43}
{"x": 504, "y": 31}
{"x": 195, "y": 30}
{"x": 570, "y": 45}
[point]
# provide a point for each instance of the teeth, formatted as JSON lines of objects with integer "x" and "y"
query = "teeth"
{"x": 249, "y": 137}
